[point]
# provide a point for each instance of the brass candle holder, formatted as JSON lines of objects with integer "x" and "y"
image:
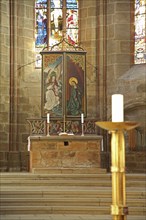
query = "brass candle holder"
{"x": 119, "y": 209}
{"x": 48, "y": 129}
{"x": 82, "y": 129}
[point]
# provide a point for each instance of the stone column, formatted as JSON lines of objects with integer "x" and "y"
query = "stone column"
{"x": 4, "y": 77}
{"x": 119, "y": 43}
{"x": 88, "y": 34}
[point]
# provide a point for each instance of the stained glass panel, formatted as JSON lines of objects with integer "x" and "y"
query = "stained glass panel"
{"x": 72, "y": 25}
{"x": 56, "y": 26}
{"x": 56, "y": 3}
{"x": 61, "y": 23}
{"x": 72, "y": 4}
{"x": 41, "y": 1}
{"x": 41, "y": 25}
{"x": 72, "y": 36}
{"x": 140, "y": 27}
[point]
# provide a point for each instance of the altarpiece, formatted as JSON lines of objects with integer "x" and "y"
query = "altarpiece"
{"x": 64, "y": 82}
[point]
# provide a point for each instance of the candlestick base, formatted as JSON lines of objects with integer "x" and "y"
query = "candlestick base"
{"x": 48, "y": 129}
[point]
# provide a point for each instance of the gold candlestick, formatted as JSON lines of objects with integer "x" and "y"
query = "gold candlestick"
{"x": 48, "y": 129}
{"x": 64, "y": 121}
{"x": 82, "y": 129}
{"x": 119, "y": 209}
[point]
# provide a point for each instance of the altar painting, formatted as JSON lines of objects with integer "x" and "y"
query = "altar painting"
{"x": 52, "y": 80}
{"x": 63, "y": 84}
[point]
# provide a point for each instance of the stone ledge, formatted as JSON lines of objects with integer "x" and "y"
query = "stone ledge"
{"x": 69, "y": 170}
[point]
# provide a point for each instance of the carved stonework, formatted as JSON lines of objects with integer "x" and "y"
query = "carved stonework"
{"x": 60, "y": 152}
{"x": 39, "y": 126}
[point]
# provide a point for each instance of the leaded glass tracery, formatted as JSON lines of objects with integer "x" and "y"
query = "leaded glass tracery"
{"x": 140, "y": 31}
{"x": 55, "y": 20}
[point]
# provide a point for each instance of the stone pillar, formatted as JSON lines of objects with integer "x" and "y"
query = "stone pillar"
{"x": 4, "y": 77}
{"x": 22, "y": 67}
{"x": 102, "y": 58}
{"x": 119, "y": 43}
{"x": 16, "y": 67}
{"x": 87, "y": 37}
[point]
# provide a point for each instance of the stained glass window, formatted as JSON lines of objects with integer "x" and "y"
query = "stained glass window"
{"x": 140, "y": 31}
{"x": 55, "y": 20}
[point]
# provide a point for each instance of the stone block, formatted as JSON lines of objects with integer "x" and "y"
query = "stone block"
{"x": 110, "y": 9}
{"x": 110, "y": 32}
{"x": 120, "y": 69}
{"x": 93, "y": 146}
{"x": 141, "y": 88}
{"x": 3, "y": 156}
{"x": 125, "y": 46}
{"x": 109, "y": 20}
{"x": 83, "y": 13}
{"x": 4, "y": 145}
{"x": 91, "y": 23}
{"x": 123, "y": 6}
{"x": 88, "y": 3}
{"x": 124, "y": 58}
{"x": 120, "y": 33}
{"x": 92, "y": 11}
{"x": 122, "y": 18}
{"x": 89, "y": 35}
{"x": 4, "y": 136}
{"x": 74, "y": 154}
{"x": 113, "y": 46}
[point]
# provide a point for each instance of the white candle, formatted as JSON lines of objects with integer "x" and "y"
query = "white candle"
{"x": 48, "y": 118}
{"x": 102, "y": 145}
{"x": 82, "y": 118}
{"x": 117, "y": 108}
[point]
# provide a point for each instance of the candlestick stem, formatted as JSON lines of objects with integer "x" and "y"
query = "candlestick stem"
{"x": 119, "y": 209}
{"x": 48, "y": 129}
{"x": 82, "y": 129}
{"x": 64, "y": 124}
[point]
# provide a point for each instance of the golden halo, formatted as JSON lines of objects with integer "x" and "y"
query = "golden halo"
{"x": 73, "y": 79}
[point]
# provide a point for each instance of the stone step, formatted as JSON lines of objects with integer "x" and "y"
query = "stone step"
{"x": 104, "y": 210}
{"x": 27, "y": 193}
{"x": 53, "y": 175}
{"x": 52, "y": 190}
{"x": 68, "y": 193}
{"x": 51, "y": 201}
{"x": 58, "y": 217}
{"x": 56, "y": 183}
{"x": 71, "y": 182}
{"x": 65, "y": 217}
{"x": 86, "y": 170}
{"x": 108, "y": 176}
{"x": 54, "y": 210}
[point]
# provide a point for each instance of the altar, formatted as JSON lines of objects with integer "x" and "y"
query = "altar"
{"x": 71, "y": 153}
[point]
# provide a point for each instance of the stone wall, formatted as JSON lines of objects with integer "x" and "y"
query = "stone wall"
{"x": 20, "y": 84}
{"x": 20, "y": 162}
{"x": 87, "y": 38}
{"x": 119, "y": 43}
{"x": 4, "y": 75}
{"x": 105, "y": 29}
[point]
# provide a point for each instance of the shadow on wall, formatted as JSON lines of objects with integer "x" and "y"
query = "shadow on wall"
{"x": 133, "y": 86}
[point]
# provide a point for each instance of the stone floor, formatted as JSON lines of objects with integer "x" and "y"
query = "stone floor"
{"x": 65, "y": 217}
